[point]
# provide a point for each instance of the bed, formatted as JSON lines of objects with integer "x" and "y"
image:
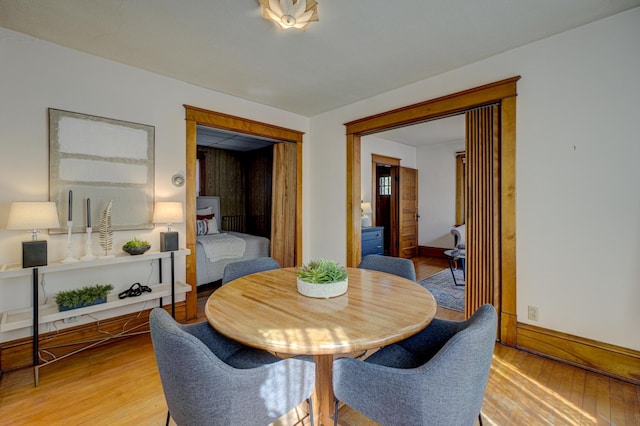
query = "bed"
{"x": 214, "y": 250}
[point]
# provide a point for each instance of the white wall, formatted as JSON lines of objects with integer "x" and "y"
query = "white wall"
{"x": 375, "y": 145}
{"x": 437, "y": 193}
{"x": 578, "y": 206}
{"x": 36, "y": 75}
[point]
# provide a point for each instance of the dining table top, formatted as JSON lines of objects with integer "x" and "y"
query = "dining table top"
{"x": 265, "y": 310}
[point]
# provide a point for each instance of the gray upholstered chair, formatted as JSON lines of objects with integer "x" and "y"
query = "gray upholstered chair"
{"x": 437, "y": 377}
{"x": 209, "y": 379}
{"x": 245, "y": 267}
{"x": 459, "y": 236}
{"x": 393, "y": 265}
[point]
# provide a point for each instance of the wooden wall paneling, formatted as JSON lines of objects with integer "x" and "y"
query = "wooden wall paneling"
{"x": 226, "y": 173}
{"x": 483, "y": 231}
{"x": 258, "y": 190}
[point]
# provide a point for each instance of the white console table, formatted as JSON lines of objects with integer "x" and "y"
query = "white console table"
{"x": 36, "y": 314}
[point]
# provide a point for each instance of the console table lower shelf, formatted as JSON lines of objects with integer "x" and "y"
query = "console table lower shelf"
{"x": 14, "y": 320}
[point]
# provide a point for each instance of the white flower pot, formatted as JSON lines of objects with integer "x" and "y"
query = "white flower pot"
{"x": 322, "y": 291}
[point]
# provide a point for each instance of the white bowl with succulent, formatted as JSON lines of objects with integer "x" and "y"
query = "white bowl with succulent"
{"x": 322, "y": 279}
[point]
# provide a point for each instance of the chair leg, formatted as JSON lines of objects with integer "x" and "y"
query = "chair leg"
{"x": 168, "y": 417}
{"x": 480, "y": 418}
{"x": 335, "y": 413}
{"x": 310, "y": 411}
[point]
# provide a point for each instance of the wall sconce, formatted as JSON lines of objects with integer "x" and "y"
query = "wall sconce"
{"x": 168, "y": 212}
{"x": 33, "y": 215}
{"x": 365, "y": 217}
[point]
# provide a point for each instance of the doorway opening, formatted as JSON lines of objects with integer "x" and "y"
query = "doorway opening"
{"x": 286, "y": 226}
{"x": 385, "y": 192}
{"x": 502, "y": 261}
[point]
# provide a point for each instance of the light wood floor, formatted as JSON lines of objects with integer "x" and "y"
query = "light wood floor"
{"x": 119, "y": 384}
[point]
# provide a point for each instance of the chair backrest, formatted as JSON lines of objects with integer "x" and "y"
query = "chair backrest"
{"x": 392, "y": 265}
{"x": 202, "y": 389}
{"x": 245, "y": 267}
{"x": 461, "y": 370}
{"x": 448, "y": 388}
{"x": 459, "y": 235}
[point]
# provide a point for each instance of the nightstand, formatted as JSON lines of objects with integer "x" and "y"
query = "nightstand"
{"x": 372, "y": 239}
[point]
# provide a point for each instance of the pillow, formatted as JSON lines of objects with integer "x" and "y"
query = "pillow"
{"x": 207, "y": 210}
{"x": 205, "y": 216}
{"x": 207, "y": 227}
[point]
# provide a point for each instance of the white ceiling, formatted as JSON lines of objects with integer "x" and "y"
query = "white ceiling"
{"x": 359, "y": 48}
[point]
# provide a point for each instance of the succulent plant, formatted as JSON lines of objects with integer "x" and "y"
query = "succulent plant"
{"x": 322, "y": 271}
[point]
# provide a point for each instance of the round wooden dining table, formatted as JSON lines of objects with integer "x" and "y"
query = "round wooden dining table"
{"x": 265, "y": 310}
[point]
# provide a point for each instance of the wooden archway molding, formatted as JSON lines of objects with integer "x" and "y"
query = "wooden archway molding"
{"x": 503, "y": 93}
{"x": 195, "y": 116}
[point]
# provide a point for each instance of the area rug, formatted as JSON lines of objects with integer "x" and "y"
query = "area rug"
{"x": 445, "y": 292}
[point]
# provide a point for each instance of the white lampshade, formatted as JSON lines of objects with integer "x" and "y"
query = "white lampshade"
{"x": 168, "y": 212}
{"x": 366, "y": 208}
{"x": 33, "y": 215}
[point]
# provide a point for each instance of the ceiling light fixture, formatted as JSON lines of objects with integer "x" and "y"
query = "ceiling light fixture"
{"x": 290, "y": 13}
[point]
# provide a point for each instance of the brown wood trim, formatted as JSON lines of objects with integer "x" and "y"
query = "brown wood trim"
{"x": 611, "y": 360}
{"x": 435, "y": 108}
{"x": 354, "y": 243}
{"x": 240, "y": 124}
{"x": 383, "y": 159}
{"x": 503, "y": 91}
{"x": 190, "y": 216}
{"x": 298, "y": 248}
{"x": 432, "y": 251}
{"x": 195, "y": 116}
{"x": 508, "y": 305}
{"x": 18, "y": 353}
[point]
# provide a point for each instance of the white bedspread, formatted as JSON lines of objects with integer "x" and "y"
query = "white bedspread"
{"x": 223, "y": 246}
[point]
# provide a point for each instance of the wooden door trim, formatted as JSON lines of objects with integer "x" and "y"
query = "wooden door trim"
{"x": 195, "y": 116}
{"x": 383, "y": 159}
{"x": 503, "y": 92}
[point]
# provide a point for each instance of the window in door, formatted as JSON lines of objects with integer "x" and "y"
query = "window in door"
{"x": 385, "y": 185}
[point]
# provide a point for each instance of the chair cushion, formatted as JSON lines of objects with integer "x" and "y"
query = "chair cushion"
{"x": 394, "y": 356}
{"x": 246, "y": 357}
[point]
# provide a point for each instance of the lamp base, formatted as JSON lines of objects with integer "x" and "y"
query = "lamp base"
{"x": 169, "y": 241}
{"x": 34, "y": 253}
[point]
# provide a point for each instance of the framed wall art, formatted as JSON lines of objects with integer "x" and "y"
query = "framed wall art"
{"x": 101, "y": 160}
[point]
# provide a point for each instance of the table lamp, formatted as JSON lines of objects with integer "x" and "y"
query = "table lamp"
{"x": 365, "y": 219}
{"x": 33, "y": 215}
{"x": 168, "y": 212}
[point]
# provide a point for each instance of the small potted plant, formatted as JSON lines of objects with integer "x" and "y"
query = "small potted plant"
{"x": 136, "y": 246}
{"x": 322, "y": 279}
{"x": 85, "y": 296}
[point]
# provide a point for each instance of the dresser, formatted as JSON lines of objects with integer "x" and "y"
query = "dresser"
{"x": 372, "y": 239}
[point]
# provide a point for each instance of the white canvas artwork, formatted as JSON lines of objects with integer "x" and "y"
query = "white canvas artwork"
{"x": 103, "y": 160}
